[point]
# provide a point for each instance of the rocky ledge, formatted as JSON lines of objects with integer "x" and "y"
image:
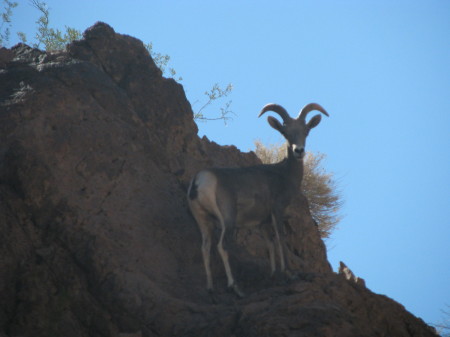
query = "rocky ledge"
{"x": 96, "y": 152}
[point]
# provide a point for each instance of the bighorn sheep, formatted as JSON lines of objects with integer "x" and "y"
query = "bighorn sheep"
{"x": 251, "y": 196}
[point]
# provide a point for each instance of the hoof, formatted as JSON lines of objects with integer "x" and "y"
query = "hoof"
{"x": 212, "y": 296}
{"x": 283, "y": 277}
{"x": 237, "y": 290}
{"x": 291, "y": 276}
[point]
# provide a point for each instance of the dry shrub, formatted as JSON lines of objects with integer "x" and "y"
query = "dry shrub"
{"x": 318, "y": 185}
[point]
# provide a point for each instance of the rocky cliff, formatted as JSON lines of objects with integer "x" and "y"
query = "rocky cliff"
{"x": 96, "y": 152}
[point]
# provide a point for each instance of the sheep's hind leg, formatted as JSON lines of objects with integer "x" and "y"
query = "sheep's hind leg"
{"x": 206, "y": 226}
{"x": 206, "y": 252}
{"x": 225, "y": 238}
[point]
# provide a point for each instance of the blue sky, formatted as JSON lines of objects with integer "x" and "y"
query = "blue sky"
{"x": 382, "y": 71}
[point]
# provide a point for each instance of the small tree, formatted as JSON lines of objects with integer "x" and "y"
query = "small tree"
{"x": 5, "y": 24}
{"x": 53, "y": 39}
{"x": 162, "y": 61}
{"x": 443, "y": 328}
{"x": 214, "y": 94}
{"x": 318, "y": 186}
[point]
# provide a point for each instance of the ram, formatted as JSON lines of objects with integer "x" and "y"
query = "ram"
{"x": 251, "y": 196}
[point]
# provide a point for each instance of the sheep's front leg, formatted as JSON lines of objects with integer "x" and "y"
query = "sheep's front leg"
{"x": 268, "y": 237}
{"x": 276, "y": 223}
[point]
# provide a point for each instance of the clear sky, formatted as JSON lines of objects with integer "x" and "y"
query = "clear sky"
{"x": 381, "y": 69}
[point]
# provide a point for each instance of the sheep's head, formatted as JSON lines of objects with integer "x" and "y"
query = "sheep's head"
{"x": 295, "y": 130}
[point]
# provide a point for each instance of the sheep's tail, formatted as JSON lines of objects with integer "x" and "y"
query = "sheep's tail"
{"x": 192, "y": 192}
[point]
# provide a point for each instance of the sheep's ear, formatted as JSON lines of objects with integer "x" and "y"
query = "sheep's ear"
{"x": 275, "y": 124}
{"x": 314, "y": 121}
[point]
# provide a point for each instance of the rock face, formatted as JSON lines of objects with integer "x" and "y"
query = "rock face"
{"x": 96, "y": 152}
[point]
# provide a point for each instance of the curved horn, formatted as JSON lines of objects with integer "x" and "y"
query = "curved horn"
{"x": 278, "y": 109}
{"x": 311, "y": 107}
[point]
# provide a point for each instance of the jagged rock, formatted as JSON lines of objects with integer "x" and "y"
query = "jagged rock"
{"x": 349, "y": 276}
{"x": 96, "y": 152}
